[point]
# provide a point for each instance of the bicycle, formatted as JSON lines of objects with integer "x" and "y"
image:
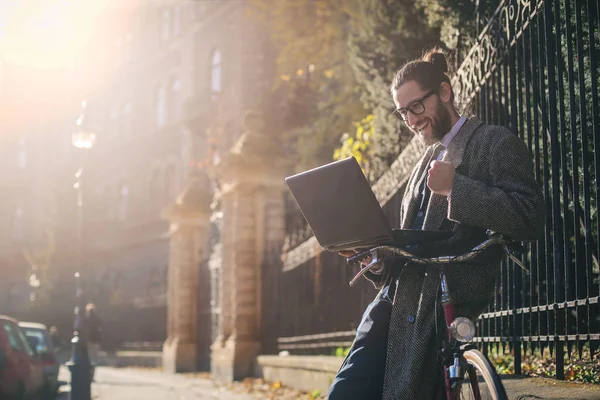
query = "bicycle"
{"x": 462, "y": 361}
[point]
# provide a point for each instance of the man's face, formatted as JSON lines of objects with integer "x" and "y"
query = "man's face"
{"x": 434, "y": 122}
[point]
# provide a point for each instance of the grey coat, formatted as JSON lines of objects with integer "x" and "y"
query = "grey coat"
{"x": 494, "y": 188}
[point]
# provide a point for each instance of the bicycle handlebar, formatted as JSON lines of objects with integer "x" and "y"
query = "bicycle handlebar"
{"x": 380, "y": 253}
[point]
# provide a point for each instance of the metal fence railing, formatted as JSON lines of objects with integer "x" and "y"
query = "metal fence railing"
{"x": 534, "y": 69}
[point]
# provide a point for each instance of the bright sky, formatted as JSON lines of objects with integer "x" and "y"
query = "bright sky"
{"x": 43, "y": 34}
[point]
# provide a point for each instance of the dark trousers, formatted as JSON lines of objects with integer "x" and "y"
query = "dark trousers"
{"x": 361, "y": 375}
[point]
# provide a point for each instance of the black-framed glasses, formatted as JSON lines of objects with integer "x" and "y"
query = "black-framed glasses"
{"x": 416, "y": 107}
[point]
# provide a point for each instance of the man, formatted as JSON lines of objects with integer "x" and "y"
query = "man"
{"x": 93, "y": 331}
{"x": 471, "y": 178}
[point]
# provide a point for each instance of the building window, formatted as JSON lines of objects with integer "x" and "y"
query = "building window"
{"x": 123, "y": 202}
{"x": 155, "y": 192}
{"x": 175, "y": 100}
{"x": 127, "y": 120}
{"x": 216, "y": 75}
{"x": 22, "y": 155}
{"x": 128, "y": 50}
{"x": 17, "y": 224}
{"x": 166, "y": 24}
{"x": 176, "y": 20}
{"x": 161, "y": 107}
{"x": 114, "y": 122}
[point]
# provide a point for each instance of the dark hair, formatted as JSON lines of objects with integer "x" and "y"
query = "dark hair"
{"x": 429, "y": 71}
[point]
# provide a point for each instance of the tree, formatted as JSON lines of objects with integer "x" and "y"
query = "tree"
{"x": 323, "y": 98}
{"x": 337, "y": 59}
{"x": 385, "y": 35}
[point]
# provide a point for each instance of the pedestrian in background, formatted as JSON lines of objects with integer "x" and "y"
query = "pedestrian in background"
{"x": 92, "y": 327}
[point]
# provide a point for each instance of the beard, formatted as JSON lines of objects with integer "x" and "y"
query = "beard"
{"x": 440, "y": 125}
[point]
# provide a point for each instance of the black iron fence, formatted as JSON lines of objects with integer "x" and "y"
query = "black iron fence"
{"x": 534, "y": 68}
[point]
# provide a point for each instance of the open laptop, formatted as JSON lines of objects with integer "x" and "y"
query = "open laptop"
{"x": 343, "y": 212}
{"x": 340, "y": 207}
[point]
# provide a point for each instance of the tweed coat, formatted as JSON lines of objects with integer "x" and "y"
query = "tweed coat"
{"x": 494, "y": 188}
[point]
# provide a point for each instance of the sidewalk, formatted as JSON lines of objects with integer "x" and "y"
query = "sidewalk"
{"x": 526, "y": 388}
{"x": 152, "y": 384}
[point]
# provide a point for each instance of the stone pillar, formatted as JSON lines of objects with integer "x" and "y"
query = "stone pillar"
{"x": 252, "y": 178}
{"x": 189, "y": 223}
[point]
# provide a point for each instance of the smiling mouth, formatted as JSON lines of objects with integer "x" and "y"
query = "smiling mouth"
{"x": 421, "y": 126}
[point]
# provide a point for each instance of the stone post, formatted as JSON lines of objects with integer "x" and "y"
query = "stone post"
{"x": 252, "y": 178}
{"x": 189, "y": 223}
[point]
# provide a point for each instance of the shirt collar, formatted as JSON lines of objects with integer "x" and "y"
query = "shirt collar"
{"x": 450, "y": 135}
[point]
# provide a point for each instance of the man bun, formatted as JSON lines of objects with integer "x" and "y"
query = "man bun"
{"x": 437, "y": 57}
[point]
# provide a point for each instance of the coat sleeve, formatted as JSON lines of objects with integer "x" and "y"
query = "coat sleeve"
{"x": 511, "y": 202}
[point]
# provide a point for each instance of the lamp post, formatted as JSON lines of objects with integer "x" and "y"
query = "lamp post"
{"x": 83, "y": 138}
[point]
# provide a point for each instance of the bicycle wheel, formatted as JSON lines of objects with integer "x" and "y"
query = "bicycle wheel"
{"x": 480, "y": 381}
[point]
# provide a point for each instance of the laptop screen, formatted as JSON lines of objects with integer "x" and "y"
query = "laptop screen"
{"x": 340, "y": 207}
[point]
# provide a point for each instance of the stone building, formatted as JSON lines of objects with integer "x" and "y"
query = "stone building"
{"x": 178, "y": 189}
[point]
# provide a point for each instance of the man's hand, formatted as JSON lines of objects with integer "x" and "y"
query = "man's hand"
{"x": 441, "y": 177}
{"x": 350, "y": 253}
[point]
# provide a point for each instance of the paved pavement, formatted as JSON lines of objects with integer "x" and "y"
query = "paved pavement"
{"x": 139, "y": 384}
{"x": 525, "y": 388}
{"x": 151, "y": 384}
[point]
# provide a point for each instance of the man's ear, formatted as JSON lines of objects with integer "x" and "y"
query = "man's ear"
{"x": 445, "y": 92}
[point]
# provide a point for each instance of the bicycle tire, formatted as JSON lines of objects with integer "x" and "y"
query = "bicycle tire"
{"x": 480, "y": 373}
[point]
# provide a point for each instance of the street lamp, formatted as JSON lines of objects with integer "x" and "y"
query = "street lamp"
{"x": 83, "y": 137}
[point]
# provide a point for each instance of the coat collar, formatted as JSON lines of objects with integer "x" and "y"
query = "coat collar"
{"x": 437, "y": 209}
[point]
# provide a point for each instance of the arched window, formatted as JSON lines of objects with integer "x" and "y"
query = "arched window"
{"x": 166, "y": 24}
{"x": 126, "y": 131}
{"x": 155, "y": 190}
{"x": 161, "y": 107}
{"x": 177, "y": 20}
{"x": 17, "y": 224}
{"x": 216, "y": 74}
{"x": 175, "y": 100}
{"x": 122, "y": 208}
{"x": 22, "y": 154}
{"x": 114, "y": 122}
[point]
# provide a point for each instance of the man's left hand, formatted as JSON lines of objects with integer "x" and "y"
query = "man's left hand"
{"x": 441, "y": 177}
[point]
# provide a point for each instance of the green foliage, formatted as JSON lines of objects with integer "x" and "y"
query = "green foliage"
{"x": 323, "y": 96}
{"x": 387, "y": 34}
{"x": 336, "y": 59}
{"x": 585, "y": 369}
{"x": 342, "y": 351}
{"x": 359, "y": 145}
{"x": 456, "y": 20}
{"x": 315, "y": 394}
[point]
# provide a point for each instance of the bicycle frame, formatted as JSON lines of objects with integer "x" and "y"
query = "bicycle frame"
{"x": 452, "y": 372}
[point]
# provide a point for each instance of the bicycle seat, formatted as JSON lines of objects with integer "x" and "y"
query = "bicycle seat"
{"x": 407, "y": 237}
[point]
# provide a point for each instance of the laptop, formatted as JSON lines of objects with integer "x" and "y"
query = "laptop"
{"x": 340, "y": 207}
{"x": 343, "y": 212}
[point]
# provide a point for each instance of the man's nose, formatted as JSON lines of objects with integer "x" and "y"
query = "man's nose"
{"x": 411, "y": 119}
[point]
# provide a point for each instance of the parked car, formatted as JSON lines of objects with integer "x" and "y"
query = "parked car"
{"x": 21, "y": 370}
{"x": 39, "y": 338}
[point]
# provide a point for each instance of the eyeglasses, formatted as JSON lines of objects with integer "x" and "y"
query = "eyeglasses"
{"x": 416, "y": 107}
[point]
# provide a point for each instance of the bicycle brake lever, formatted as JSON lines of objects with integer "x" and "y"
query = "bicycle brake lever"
{"x": 374, "y": 261}
{"x": 357, "y": 258}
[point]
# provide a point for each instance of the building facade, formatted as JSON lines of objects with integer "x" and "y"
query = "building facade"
{"x": 166, "y": 85}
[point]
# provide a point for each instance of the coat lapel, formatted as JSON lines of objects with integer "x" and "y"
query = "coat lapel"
{"x": 437, "y": 209}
